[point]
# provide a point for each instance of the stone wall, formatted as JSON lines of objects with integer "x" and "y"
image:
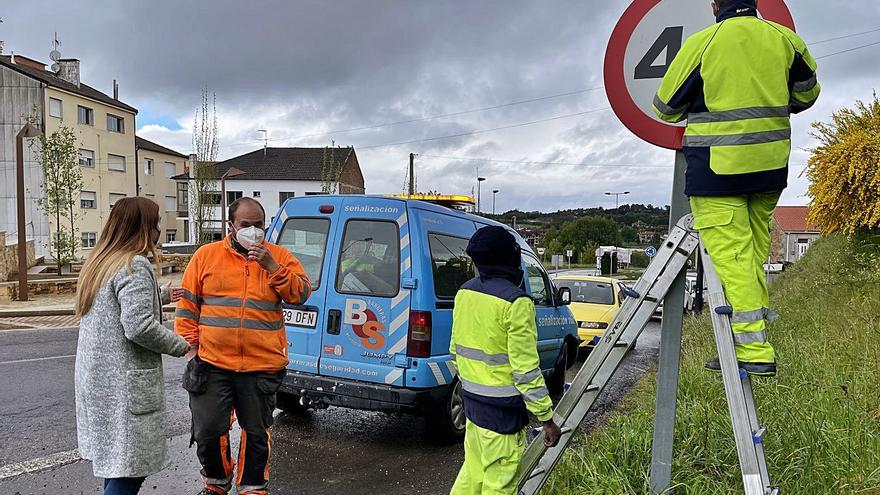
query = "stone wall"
{"x": 9, "y": 257}
{"x": 9, "y": 290}
{"x": 177, "y": 262}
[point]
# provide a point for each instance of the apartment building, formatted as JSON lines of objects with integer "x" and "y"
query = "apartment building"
{"x": 157, "y": 165}
{"x": 104, "y": 127}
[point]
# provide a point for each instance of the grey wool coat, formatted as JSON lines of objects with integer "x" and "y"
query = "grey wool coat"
{"x": 120, "y": 393}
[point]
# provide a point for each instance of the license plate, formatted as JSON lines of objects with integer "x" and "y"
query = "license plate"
{"x": 301, "y": 318}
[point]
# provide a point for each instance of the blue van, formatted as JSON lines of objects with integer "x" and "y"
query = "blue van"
{"x": 375, "y": 332}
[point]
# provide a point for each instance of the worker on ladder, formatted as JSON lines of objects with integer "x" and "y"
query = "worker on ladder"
{"x": 736, "y": 83}
{"x": 494, "y": 345}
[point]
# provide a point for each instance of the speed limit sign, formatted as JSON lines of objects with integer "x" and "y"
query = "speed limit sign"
{"x": 643, "y": 44}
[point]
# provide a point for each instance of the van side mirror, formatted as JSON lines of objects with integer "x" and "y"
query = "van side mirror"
{"x": 563, "y": 296}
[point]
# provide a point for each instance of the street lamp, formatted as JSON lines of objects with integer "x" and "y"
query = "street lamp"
{"x": 494, "y": 192}
{"x": 479, "y": 205}
{"x": 617, "y": 196}
{"x": 28, "y": 131}
{"x": 232, "y": 172}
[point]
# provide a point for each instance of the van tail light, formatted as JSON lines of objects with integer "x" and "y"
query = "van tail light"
{"x": 418, "y": 340}
{"x": 325, "y": 208}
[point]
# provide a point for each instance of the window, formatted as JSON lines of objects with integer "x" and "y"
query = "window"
{"x": 89, "y": 239}
{"x": 148, "y": 166}
{"x": 115, "y": 124}
{"x": 170, "y": 169}
{"x": 114, "y": 197}
{"x": 116, "y": 162}
{"x": 284, "y": 196}
{"x": 256, "y": 194}
{"x": 450, "y": 263}
{"x": 211, "y": 198}
{"x": 170, "y": 235}
{"x": 88, "y": 200}
{"x": 369, "y": 263}
{"x": 87, "y": 158}
{"x": 588, "y": 291}
{"x": 170, "y": 203}
{"x": 539, "y": 284}
{"x": 85, "y": 115}
{"x": 182, "y": 198}
{"x": 55, "y": 108}
{"x": 232, "y": 196}
{"x": 306, "y": 238}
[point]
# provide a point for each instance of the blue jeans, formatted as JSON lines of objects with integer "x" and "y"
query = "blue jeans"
{"x": 122, "y": 486}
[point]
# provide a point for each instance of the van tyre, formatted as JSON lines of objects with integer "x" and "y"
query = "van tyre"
{"x": 556, "y": 380}
{"x": 446, "y": 421}
{"x": 290, "y": 403}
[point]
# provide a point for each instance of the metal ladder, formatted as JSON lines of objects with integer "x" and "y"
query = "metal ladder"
{"x": 538, "y": 461}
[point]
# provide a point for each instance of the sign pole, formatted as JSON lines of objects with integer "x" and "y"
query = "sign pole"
{"x": 670, "y": 350}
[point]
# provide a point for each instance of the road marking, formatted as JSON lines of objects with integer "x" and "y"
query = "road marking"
{"x": 39, "y": 464}
{"x": 38, "y": 359}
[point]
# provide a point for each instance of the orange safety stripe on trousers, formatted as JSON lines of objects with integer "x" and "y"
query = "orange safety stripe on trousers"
{"x": 226, "y": 455}
{"x": 269, "y": 456}
{"x": 241, "y": 451}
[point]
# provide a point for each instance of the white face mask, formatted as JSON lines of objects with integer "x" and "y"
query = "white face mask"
{"x": 249, "y": 236}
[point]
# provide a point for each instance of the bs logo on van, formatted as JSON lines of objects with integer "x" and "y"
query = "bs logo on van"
{"x": 367, "y": 320}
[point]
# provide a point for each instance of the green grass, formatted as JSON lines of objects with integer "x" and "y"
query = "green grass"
{"x": 822, "y": 411}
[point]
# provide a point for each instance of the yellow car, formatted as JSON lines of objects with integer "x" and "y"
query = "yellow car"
{"x": 595, "y": 302}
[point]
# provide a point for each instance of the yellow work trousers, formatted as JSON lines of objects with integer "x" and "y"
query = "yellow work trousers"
{"x": 736, "y": 233}
{"x": 491, "y": 461}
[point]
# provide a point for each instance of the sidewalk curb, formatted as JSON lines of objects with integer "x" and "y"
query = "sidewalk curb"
{"x": 25, "y": 313}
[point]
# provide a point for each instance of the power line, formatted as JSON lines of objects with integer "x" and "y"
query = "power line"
{"x": 481, "y": 131}
{"x": 531, "y": 162}
{"x": 848, "y": 50}
{"x": 853, "y": 35}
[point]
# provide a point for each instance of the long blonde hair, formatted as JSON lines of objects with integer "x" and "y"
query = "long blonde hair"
{"x": 128, "y": 232}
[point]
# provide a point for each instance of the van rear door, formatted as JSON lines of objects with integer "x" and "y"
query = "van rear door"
{"x": 368, "y": 293}
{"x": 306, "y": 227}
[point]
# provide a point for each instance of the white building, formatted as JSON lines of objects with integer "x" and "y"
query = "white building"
{"x": 272, "y": 175}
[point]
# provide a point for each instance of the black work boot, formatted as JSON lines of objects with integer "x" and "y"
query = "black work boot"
{"x": 754, "y": 369}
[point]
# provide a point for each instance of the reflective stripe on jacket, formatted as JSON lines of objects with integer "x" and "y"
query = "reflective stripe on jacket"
{"x": 494, "y": 344}
{"x": 736, "y": 83}
{"x": 232, "y": 309}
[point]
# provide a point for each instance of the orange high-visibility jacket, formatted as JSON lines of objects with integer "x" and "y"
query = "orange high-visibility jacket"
{"x": 231, "y": 307}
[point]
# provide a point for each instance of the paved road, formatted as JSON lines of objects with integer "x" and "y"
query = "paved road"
{"x": 329, "y": 451}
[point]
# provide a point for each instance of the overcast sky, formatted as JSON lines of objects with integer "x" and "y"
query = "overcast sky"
{"x": 302, "y": 69}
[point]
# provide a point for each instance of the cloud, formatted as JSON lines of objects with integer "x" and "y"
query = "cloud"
{"x": 303, "y": 69}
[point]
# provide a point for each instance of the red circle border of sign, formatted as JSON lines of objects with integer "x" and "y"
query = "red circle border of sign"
{"x": 657, "y": 133}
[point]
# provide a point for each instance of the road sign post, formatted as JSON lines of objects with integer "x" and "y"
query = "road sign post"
{"x": 643, "y": 44}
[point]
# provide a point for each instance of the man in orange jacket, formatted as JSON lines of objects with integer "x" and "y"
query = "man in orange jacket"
{"x": 231, "y": 310}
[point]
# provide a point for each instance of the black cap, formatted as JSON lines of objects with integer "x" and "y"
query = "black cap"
{"x": 494, "y": 246}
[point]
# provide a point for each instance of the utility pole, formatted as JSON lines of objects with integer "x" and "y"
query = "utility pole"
{"x": 479, "y": 182}
{"x": 494, "y": 193}
{"x": 412, "y": 174}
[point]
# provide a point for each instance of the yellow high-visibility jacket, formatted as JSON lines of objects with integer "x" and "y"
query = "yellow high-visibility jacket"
{"x": 736, "y": 83}
{"x": 494, "y": 344}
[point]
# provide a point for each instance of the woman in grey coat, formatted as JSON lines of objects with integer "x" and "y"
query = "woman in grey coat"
{"x": 120, "y": 395}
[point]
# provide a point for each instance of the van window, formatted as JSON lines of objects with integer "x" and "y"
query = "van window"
{"x": 539, "y": 284}
{"x": 369, "y": 259}
{"x": 306, "y": 238}
{"x": 450, "y": 263}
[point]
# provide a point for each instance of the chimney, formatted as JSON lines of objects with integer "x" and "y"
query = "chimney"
{"x": 69, "y": 70}
{"x": 115, "y": 90}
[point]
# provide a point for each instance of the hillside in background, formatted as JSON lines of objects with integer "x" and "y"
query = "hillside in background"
{"x": 626, "y": 215}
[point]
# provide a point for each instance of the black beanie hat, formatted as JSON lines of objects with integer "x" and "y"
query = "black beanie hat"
{"x": 494, "y": 246}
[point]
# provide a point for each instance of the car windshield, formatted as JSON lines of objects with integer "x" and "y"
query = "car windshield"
{"x": 588, "y": 291}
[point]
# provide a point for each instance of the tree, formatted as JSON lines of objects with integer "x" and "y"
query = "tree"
{"x": 58, "y": 156}
{"x": 583, "y": 236}
{"x": 843, "y": 170}
{"x": 203, "y": 177}
{"x": 331, "y": 170}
